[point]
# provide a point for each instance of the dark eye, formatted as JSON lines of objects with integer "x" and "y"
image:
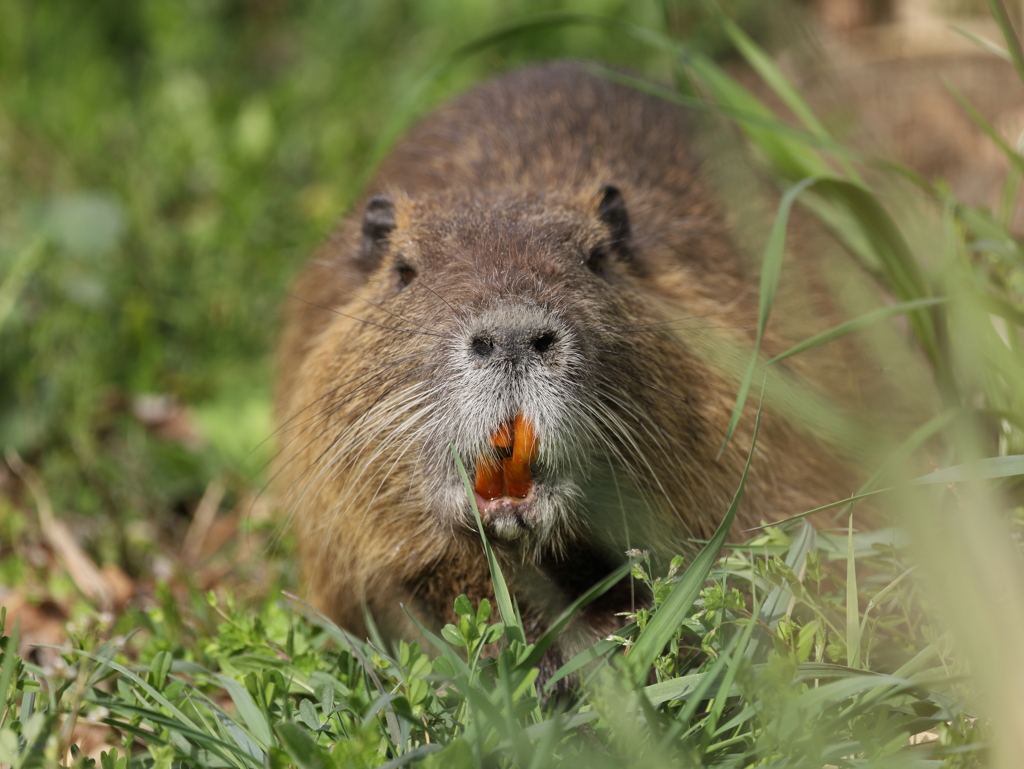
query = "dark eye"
{"x": 597, "y": 259}
{"x": 406, "y": 275}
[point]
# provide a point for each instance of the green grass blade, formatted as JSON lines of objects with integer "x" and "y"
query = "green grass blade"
{"x": 697, "y": 692}
{"x": 11, "y": 660}
{"x": 1011, "y": 155}
{"x": 771, "y": 268}
{"x": 551, "y": 634}
{"x": 777, "y": 602}
{"x": 509, "y": 615}
{"x": 248, "y": 710}
{"x": 883, "y": 237}
{"x": 773, "y": 77}
{"x": 1002, "y": 19}
{"x": 567, "y": 723}
{"x": 877, "y": 598}
{"x": 983, "y": 43}
{"x": 851, "y": 211}
{"x": 909, "y": 670}
{"x": 760, "y": 120}
{"x": 593, "y": 653}
{"x": 856, "y": 324}
{"x": 685, "y": 687}
{"x": 792, "y": 158}
{"x": 817, "y": 699}
{"x": 371, "y": 627}
{"x": 912, "y": 443}
{"x": 734, "y": 661}
{"x": 823, "y": 508}
{"x": 982, "y": 469}
{"x": 550, "y": 734}
{"x": 853, "y": 637}
{"x": 667, "y": 619}
{"x": 347, "y": 641}
{"x": 223, "y": 749}
{"x": 342, "y": 637}
{"x": 522, "y": 755}
{"x": 917, "y": 663}
{"x": 138, "y": 681}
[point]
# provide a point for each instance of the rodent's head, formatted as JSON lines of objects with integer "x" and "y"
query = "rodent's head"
{"x": 499, "y": 324}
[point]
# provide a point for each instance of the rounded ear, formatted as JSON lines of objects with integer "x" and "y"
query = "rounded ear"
{"x": 378, "y": 222}
{"x": 612, "y": 211}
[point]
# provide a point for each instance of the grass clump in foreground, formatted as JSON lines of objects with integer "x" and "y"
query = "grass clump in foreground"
{"x": 801, "y": 648}
{"x": 793, "y": 678}
{"x": 775, "y": 685}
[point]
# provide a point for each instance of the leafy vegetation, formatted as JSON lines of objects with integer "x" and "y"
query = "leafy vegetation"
{"x": 766, "y": 686}
{"x": 164, "y": 167}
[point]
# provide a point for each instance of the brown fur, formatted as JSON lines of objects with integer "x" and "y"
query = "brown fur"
{"x": 496, "y": 198}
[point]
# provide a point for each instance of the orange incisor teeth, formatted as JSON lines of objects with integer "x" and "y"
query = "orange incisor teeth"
{"x": 510, "y": 475}
{"x": 524, "y": 448}
{"x": 504, "y": 436}
{"x": 490, "y": 479}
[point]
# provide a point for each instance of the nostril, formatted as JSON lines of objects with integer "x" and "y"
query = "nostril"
{"x": 544, "y": 342}
{"x": 482, "y": 346}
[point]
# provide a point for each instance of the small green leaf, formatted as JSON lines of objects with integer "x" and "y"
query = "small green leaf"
{"x": 417, "y": 691}
{"x": 110, "y": 760}
{"x": 805, "y": 641}
{"x": 483, "y": 612}
{"x": 32, "y": 728}
{"x": 463, "y": 607}
{"x": 308, "y": 716}
{"x": 159, "y": 668}
{"x": 451, "y": 634}
{"x": 327, "y": 698}
{"x": 301, "y": 748}
{"x": 8, "y": 747}
{"x": 457, "y": 754}
{"x": 444, "y": 668}
{"x": 163, "y": 756}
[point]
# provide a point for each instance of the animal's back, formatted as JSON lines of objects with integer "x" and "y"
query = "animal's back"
{"x": 556, "y": 126}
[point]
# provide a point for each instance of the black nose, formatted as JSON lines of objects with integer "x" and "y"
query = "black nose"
{"x": 514, "y": 334}
{"x": 482, "y": 345}
{"x": 513, "y": 343}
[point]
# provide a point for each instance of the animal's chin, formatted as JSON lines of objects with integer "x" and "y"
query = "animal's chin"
{"x": 508, "y": 518}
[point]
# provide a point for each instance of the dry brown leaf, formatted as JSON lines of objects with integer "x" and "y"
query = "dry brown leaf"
{"x": 194, "y": 547}
{"x": 38, "y": 623}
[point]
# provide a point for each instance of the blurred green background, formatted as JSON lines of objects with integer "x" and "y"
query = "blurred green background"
{"x": 166, "y": 167}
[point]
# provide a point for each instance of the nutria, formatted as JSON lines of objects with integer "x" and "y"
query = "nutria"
{"x": 529, "y": 280}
